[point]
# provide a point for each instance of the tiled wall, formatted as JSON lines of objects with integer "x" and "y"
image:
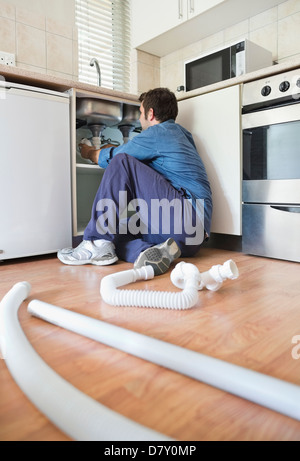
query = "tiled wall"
{"x": 277, "y": 29}
{"x": 42, "y": 35}
{"x": 42, "y": 40}
{"x": 145, "y": 72}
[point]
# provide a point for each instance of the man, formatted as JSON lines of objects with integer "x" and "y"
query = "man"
{"x": 160, "y": 173}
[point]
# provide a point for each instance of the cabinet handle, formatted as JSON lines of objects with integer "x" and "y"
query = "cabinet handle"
{"x": 287, "y": 209}
{"x": 192, "y": 6}
{"x": 180, "y": 14}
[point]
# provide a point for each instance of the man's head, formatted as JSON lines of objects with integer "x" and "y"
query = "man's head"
{"x": 157, "y": 106}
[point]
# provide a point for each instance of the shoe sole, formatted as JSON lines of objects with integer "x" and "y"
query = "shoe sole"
{"x": 158, "y": 257}
{"x": 83, "y": 262}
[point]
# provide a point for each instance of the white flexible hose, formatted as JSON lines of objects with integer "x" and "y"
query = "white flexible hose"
{"x": 146, "y": 298}
{"x": 76, "y": 414}
{"x": 264, "y": 390}
{"x": 185, "y": 276}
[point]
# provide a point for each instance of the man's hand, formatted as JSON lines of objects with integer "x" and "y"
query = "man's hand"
{"x": 89, "y": 152}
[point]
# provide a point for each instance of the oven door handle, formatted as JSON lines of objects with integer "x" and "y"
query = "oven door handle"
{"x": 287, "y": 209}
{"x": 271, "y": 117}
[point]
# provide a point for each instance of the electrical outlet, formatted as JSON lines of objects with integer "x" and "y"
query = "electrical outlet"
{"x": 8, "y": 59}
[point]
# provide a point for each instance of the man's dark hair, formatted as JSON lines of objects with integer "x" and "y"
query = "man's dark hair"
{"x": 162, "y": 101}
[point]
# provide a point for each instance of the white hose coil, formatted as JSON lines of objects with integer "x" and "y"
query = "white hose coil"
{"x": 73, "y": 412}
{"x": 264, "y": 390}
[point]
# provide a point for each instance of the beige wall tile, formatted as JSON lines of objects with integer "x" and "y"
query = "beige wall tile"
{"x": 238, "y": 30}
{"x": 172, "y": 57}
{"x": 289, "y": 58}
{"x": 288, "y": 8}
{"x": 267, "y": 38}
{"x": 32, "y": 28}
{"x": 295, "y": 56}
{"x": 147, "y": 58}
{"x": 59, "y": 54}
{"x": 7, "y": 10}
{"x": 263, "y": 19}
{"x": 31, "y": 45}
{"x": 57, "y": 28}
{"x": 7, "y": 35}
{"x": 191, "y": 51}
{"x": 30, "y": 18}
{"x": 148, "y": 77}
{"x": 172, "y": 75}
{"x": 40, "y": 70}
{"x": 54, "y": 73}
{"x": 289, "y": 36}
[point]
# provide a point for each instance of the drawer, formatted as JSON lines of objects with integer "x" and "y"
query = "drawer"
{"x": 272, "y": 231}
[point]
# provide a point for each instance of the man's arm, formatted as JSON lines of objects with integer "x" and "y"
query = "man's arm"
{"x": 91, "y": 153}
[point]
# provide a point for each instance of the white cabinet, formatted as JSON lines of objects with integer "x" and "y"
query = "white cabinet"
{"x": 35, "y": 179}
{"x": 214, "y": 121}
{"x": 153, "y": 18}
{"x": 163, "y": 27}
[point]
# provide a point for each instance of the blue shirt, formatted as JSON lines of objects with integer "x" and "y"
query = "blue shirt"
{"x": 169, "y": 149}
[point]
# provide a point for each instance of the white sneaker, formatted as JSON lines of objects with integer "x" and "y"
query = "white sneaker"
{"x": 98, "y": 252}
{"x": 159, "y": 257}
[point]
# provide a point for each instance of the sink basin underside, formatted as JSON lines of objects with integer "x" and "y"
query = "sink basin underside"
{"x": 108, "y": 113}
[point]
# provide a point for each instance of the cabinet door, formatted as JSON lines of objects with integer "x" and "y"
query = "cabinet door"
{"x": 153, "y": 18}
{"x": 196, "y": 7}
{"x": 214, "y": 121}
{"x": 35, "y": 180}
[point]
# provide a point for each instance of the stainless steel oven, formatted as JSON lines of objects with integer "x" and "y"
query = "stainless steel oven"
{"x": 271, "y": 167}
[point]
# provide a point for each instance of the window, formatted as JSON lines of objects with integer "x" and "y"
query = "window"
{"x": 104, "y": 34}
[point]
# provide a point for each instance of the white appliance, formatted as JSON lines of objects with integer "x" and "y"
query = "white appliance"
{"x": 35, "y": 173}
{"x": 224, "y": 63}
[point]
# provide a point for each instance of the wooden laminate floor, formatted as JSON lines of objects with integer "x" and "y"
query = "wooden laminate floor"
{"x": 250, "y": 322}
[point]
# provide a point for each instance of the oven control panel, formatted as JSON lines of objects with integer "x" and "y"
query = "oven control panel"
{"x": 273, "y": 87}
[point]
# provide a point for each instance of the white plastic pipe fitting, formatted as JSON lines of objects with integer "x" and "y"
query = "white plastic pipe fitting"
{"x": 185, "y": 276}
{"x": 211, "y": 280}
{"x": 76, "y": 414}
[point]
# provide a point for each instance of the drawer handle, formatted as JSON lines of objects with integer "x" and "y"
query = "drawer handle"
{"x": 287, "y": 209}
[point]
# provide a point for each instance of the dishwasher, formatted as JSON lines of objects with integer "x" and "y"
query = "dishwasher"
{"x": 35, "y": 171}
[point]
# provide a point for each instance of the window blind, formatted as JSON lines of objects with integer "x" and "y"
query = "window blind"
{"x": 104, "y": 33}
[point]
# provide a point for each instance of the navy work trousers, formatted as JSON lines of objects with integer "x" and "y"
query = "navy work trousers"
{"x": 161, "y": 211}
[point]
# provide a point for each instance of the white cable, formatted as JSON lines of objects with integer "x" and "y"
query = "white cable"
{"x": 264, "y": 390}
{"x": 76, "y": 414}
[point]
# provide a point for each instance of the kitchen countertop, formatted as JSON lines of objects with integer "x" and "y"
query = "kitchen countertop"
{"x": 26, "y": 77}
{"x": 19, "y": 75}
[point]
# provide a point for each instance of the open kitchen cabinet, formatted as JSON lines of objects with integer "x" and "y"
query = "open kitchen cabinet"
{"x": 214, "y": 119}
{"x": 120, "y": 121}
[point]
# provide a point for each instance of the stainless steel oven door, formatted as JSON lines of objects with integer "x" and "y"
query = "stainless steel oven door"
{"x": 272, "y": 231}
{"x": 271, "y": 155}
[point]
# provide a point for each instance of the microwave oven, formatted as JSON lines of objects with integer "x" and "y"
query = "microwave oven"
{"x": 224, "y": 63}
